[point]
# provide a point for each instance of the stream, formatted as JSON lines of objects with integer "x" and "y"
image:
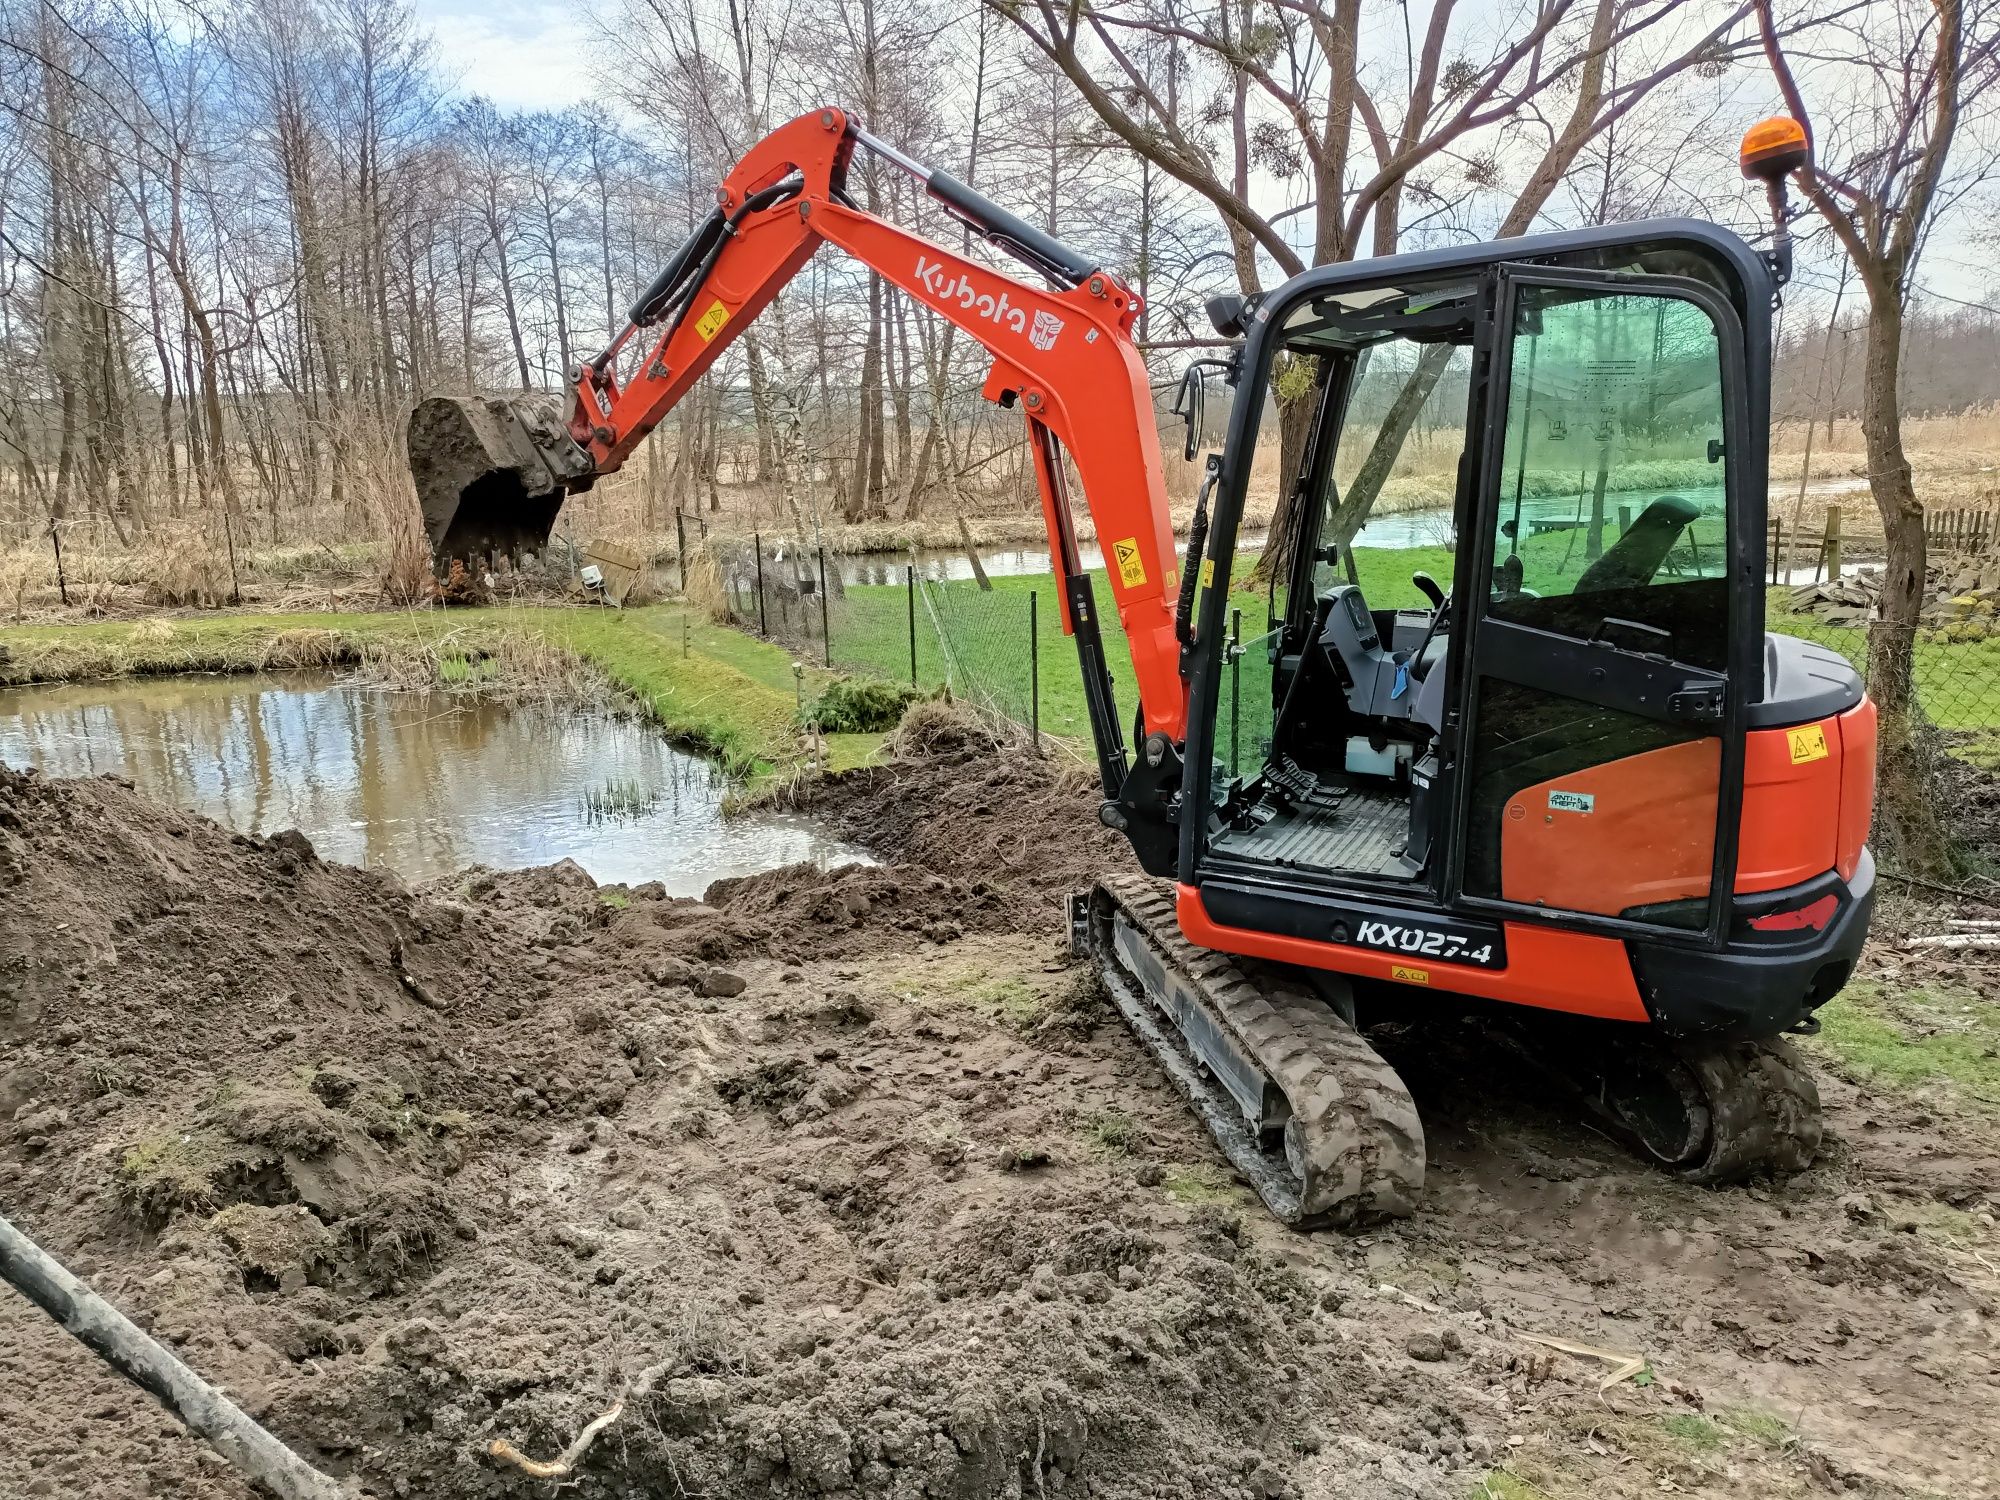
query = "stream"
{"x": 423, "y": 784}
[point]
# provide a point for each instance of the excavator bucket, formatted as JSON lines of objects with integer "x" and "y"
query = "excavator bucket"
{"x": 492, "y": 473}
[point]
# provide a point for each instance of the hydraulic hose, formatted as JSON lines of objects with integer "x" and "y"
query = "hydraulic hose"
{"x": 692, "y": 262}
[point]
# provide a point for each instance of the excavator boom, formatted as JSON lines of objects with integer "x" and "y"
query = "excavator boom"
{"x": 1062, "y": 353}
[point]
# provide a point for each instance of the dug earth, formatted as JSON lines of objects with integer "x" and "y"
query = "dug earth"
{"x": 851, "y": 1183}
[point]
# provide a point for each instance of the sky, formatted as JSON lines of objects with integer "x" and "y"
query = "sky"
{"x": 525, "y": 54}
{"x": 541, "y": 54}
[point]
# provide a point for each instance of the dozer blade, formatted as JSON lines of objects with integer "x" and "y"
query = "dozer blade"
{"x": 1303, "y": 1107}
{"x": 492, "y": 473}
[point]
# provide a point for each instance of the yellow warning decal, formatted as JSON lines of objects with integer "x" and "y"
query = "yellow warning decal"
{"x": 709, "y": 324}
{"x": 1131, "y": 567}
{"x": 1409, "y": 976}
{"x": 1208, "y": 572}
{"x": 1808, "y": 743}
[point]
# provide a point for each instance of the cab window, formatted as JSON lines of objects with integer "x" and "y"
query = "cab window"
{"x": 1612, "y": 520}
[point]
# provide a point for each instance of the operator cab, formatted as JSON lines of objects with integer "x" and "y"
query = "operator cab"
{"x": 1544, "y": 446}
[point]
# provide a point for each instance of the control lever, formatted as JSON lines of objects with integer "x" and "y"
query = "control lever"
{"x": 1428, "y": 587}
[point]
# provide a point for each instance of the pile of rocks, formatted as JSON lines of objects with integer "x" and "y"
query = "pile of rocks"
{"x": 1962, "y": 601}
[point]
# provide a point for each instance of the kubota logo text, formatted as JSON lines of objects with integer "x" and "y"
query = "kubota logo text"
{"x": 949, "y": 288}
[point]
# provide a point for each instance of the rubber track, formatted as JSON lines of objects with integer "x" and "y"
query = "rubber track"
{"x": 1354, "y": 1150}
{"x": 1763, "y": 1109}
{"x": 1763, "y": 1106}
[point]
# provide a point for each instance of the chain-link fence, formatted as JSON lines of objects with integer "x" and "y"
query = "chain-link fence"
{"x": 1938, "y": 800}
{"x": 994, "y": 636}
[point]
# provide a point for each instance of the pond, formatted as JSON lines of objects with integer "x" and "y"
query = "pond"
{"x": 423, "y": 784}
{"x": 951, "y": 565}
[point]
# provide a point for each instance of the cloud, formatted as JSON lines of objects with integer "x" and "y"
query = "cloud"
{"x": 524, "y": 54}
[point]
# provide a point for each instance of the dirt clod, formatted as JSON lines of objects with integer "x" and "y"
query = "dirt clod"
{"x": 1426, "y": 1347}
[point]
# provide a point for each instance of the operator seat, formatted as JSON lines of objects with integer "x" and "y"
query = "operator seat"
{"x": 1380, "y": 683}
{"x": 1635, "y": 557}
{"x": 1428, "y": 709}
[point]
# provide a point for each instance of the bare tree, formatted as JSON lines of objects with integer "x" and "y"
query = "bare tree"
{"x": 1903, "y": 77}
{"x": 1288, "y": 95}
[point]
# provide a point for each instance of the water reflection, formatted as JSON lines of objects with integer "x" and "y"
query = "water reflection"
{"x": 423, "y": 784}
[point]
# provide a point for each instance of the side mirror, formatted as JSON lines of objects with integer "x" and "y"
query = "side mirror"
{"x": 1190, "y": 401}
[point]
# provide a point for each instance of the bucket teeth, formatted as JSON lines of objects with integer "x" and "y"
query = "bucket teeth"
{"x": 492, "y": 472}
{"x": 1303, "y": 1107}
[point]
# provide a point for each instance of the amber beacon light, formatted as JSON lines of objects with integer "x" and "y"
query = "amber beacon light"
{"x": 1773, "y": 149}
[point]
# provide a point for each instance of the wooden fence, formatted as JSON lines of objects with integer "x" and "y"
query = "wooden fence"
{"x": 1959, "y": 530}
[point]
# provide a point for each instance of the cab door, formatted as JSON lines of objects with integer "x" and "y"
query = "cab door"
{"x": 1599, "y": 744}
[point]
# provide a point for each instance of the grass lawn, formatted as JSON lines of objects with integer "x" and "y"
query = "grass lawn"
{"x": 871, "y": 633}
{"x": 1959, "y": 684}
{"x": 1917, "y": 1037}
{"x": 711, "y": 688}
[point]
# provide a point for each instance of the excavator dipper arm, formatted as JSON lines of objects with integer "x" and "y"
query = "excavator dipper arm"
{"x": 1064, "y": 356}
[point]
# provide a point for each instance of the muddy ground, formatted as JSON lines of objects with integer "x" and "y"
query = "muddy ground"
{"x": 856, "y": 1186}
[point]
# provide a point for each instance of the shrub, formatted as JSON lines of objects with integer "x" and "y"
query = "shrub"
{"x": 859, "y": 705}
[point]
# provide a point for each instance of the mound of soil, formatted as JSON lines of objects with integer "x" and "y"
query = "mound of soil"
{"x": 410, "y": 1172}
{"x": 850, "y": 1183}
{"x": 953, "y": 802}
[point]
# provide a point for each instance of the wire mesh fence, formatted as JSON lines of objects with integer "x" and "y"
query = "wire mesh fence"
{"x": 1938, "y": 786}
{"x": 997, "y": 643}
{"x": 994, "y": 642}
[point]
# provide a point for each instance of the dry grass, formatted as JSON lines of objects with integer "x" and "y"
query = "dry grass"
{"x": 1956, "y": 461}
{"x": 323, "y": 563}
{"x": 703, "y": 590}
{"x": 17, "y": 571}
{"x": 405, "y": 557}
{"x": 518, "y": 666}
{"x": 186, "y": 564}
{"x": 931, "y": 724}
{"x": 1968, "y": 437}
{"x": 306, "y": 648}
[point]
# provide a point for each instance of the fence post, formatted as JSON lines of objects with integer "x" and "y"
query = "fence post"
{"x": 1034, "y": 676}
{"x": 1831, "y": 546}
{"x": 757, "y": 541}
{"x": 681, "y": 546}
{"x": 1777, "y": 540}
{"x": 1235, "y": 686}
{"x": 825, "y": 636}
{"x": 910, "y": 598}
{"x": 1624, "y": 519}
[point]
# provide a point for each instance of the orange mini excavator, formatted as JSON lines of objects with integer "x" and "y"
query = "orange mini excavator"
{"x": 1582, "y": 781}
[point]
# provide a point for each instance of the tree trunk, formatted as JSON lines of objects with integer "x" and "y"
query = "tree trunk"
{"x": 1902, "y": 774}
{"x": 1295, "y": 418}
{"x": 770, "y": 460}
